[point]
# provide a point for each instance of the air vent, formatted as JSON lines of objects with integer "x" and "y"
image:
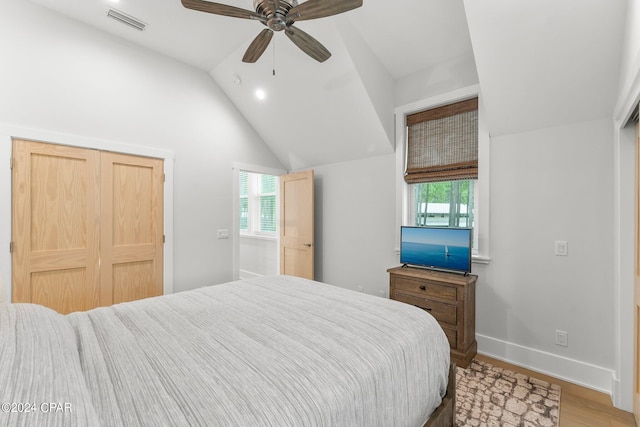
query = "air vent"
{"x": 126, "y": 19}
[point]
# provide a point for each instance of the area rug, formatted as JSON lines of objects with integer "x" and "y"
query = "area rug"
{"x": 487, "y": 395}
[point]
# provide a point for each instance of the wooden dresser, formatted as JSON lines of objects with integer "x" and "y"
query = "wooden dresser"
{"x": 449, "y": 297}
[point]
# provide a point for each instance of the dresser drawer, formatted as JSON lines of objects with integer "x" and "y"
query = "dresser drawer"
{"x": 425, "y": 288}
{"x": 450, "y": 298}
{"x": 443, "y": 312}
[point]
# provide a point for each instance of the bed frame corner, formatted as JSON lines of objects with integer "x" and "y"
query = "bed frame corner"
{"x": 445, "y": 414}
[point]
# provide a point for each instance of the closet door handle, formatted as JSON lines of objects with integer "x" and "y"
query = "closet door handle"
{"x": 423, "y": 288}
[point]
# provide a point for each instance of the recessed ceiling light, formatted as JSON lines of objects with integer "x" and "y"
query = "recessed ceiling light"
{"x": 261, "y": 94}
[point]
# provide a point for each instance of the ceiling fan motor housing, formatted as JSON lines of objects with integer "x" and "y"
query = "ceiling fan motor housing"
{"x": 276, "y": 20}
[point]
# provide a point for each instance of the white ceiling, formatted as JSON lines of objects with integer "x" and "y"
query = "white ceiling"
{"x": 547, "y": 62}
{"x": 539, "y": 62}
{"x": 314, "y": 113}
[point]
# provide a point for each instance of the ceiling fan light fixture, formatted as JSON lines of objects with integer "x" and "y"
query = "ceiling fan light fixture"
{"x": 261, "y": 94}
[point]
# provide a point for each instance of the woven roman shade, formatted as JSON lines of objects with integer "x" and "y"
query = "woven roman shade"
{"x": 442, "y": 143}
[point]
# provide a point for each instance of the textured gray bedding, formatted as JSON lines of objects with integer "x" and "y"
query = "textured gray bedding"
{"x": 278, "y": 351}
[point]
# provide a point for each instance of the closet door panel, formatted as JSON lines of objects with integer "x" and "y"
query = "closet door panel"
{"x": 55, "y": 226}
{"x": 132, "y": 227}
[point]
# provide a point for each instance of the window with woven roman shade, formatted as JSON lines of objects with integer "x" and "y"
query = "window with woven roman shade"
{"x": 442, "y": 143}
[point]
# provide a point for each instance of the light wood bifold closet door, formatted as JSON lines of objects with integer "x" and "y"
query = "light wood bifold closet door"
{"x": 132, "y": 228}
{"x": 87, "y": 226}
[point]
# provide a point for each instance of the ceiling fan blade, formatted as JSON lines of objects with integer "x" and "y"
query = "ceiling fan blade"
{"x": 308, "y": 44}
{"x": 258, "y": 46}
{"x": 221, "y": 9}
{"x": 312, "y": 9}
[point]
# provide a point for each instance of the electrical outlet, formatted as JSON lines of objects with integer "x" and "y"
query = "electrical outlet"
{"x": 223, "y": 233}
{"x": 360, "y": 289}
{"x": 562, "y": 338}
{"x": 382, "y": 293}
{"x": 561, "y": 248}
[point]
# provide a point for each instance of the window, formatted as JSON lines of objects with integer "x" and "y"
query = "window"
{"x": 258, "y": 203}
{"x": 267, "y": 195}
{"x": 244, "y": 201}
{"x": 445, "y": 204}
{"x": 442, "y": 165}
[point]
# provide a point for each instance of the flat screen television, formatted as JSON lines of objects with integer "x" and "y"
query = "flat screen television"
{"x": 438, "y": 248}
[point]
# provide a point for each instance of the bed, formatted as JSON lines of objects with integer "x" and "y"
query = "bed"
{"x": 276, "y": 351}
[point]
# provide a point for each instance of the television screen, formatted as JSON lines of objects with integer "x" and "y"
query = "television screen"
{"x": 436, "y": 247}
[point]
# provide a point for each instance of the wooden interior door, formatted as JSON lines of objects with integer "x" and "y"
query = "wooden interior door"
{"x": 132, "y": 230}
{"x": 636, "y": 304}
{"x": 55, "y": 230}
{"x": 297, "y": 224}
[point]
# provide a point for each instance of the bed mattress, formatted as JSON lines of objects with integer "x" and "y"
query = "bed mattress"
{"x": 276, "y": 351}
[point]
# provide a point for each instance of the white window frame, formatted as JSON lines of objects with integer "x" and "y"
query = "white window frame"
{"x": 481, "y": 253}
{"x": 253, "y": 203}
{"x": 265, "y": 170}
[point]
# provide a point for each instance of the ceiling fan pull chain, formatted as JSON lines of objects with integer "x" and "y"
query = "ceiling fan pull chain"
{"x": 274, "y": 57}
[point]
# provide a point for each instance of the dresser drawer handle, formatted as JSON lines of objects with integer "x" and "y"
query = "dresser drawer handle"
{"x": 423, "y": 288}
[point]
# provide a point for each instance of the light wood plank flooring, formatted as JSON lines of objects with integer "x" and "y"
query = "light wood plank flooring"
{"x": 579, "y": 406}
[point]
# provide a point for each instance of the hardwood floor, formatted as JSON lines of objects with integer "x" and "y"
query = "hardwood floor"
{"x": 579, "y": 406}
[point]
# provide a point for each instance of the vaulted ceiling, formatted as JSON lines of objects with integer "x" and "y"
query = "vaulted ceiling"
{"x": 539, "y": 63}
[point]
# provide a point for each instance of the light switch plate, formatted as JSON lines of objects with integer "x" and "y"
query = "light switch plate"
{"x": 561, "y": 248}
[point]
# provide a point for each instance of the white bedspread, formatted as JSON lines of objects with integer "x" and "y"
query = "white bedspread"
{"x": 277, "y": 351}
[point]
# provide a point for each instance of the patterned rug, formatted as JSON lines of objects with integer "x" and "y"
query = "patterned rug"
{"x": 490, "y": 396}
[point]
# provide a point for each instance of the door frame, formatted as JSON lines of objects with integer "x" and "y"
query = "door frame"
{"x": 636, "y": 290}
{"x": 235, "y": 234}
{"x": 8, "y": 132}
{"x": 624, "y": 141}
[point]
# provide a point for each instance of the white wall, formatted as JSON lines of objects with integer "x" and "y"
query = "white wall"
{"x": 258, "y": 257}
{"x": 546, "y": 185}
{"x": 377, "y": 81}
{"x": 355, "y": 223}
{"x": 442, "y": 78}
{"x": 624, "y": 207}
{"x": 630, "y": 63}
{"x": 66, "y": 80}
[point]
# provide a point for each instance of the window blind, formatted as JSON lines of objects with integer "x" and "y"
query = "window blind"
{"x": 267, "y": 203}
{"x": 442, "y": 143}
{"x": 244, "y": 200}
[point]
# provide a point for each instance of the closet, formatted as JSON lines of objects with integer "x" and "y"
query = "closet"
{"x": 87, "y": 226}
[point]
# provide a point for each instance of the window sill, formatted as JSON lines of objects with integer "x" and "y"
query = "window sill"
{"x": 258, "y": 237}
{"x": 480, "y": 259}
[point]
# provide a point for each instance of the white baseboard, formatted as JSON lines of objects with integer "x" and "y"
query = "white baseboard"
{"x": 244, "y": 274}
{"x": 571, "y": 370}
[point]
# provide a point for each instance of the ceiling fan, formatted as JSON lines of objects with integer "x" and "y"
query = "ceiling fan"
{"x": 280, "y": 15}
